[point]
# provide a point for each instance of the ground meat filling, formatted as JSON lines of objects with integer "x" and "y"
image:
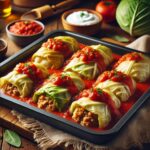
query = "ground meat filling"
{"x": 44, "y": 102}
{"x": 12, "y": 90}
{"x": 85, "y": 118}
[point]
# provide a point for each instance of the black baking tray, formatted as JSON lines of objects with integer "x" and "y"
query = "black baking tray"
{"x": 97, "y": 137}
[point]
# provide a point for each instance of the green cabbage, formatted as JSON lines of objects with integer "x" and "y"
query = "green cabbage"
{"x": 133, "y": 16}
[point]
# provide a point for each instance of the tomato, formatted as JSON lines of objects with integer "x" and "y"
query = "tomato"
{"x": 107, "y": 9}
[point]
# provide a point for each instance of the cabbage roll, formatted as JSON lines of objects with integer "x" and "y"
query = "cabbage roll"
{"x": 97, "y": 94}
{"x": 21, "y": 80}
{"x": 136, "y": 65}
{"x": 90, "y": 113}
{"x": 120, "y": 86}
{"x": 51, "y": 97}
{"x": 70, "y": 80}
{"x": 53, "y": 52}
{"x": 90, "y": 62}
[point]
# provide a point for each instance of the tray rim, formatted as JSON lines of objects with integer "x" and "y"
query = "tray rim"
{"x": 122, "y": 121}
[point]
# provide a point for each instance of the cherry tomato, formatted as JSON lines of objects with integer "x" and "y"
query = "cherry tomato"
{"x": 107, "y": 9}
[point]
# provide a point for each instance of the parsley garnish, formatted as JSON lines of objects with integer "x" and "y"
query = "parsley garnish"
{"x": 82, "y": 14}
{"x": 99, "y": 91}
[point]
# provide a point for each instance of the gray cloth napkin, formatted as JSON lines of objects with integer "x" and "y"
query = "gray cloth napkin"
{"x": 135, "y": 132}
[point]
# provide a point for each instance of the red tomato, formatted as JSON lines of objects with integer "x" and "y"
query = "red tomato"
{"x": 107, "y": 9}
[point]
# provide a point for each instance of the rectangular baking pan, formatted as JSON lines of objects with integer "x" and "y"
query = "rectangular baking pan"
{"x": 97, "y": 137}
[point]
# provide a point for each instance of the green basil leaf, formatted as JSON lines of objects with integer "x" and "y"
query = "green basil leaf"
{"x": 12, "y": 138}
{"x": 120, "y": 38}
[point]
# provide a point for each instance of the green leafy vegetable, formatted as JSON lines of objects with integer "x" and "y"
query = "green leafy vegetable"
{"x": 99, "y": 91}
{"x": 82, "y": 14}
{"x": 12, "y": 138}
{"x": 120, "y": 38}
{"x": 134, "y": 16}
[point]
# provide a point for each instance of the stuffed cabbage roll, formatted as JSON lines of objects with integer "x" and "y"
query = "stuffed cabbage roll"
{"x": 21, "y": 80}
{"x": 89, "y": 62}
{"x": 120, "y": 86}
{"x": 53, "y": 52}
{"x": 97, "y": 94}
{"x": 136, "y": 65}
{"x": 51, "y": 97}
{"x": 90, "y": 113}
{"x": 69, "y": 80}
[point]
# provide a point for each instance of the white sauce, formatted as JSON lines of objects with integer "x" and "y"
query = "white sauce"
{"x": 82, "y": 18}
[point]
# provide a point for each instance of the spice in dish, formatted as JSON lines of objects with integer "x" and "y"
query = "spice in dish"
{"x": 82, "y": 18}
{"x": 25, "y": 28}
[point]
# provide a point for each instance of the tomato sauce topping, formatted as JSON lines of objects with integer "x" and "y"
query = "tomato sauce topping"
{"x": 30, "y": 70}
{"x": 58, "y": 45}
{"x": 116, "y": 76}
{"x": 130, "y": 56}
{"x": 88, "y": 54}
{"x": 60, "y": 79}
{"x": 25, "y": 28}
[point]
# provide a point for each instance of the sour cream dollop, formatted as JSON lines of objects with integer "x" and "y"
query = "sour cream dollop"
{"x": 82, "y": 18}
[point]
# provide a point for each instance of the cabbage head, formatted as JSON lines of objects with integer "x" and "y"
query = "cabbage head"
{"x": 133, "y": 16}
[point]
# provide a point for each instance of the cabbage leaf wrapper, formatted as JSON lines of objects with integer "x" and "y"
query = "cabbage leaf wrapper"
{"x": 138, "y": 70}
{"x": 88, "y": 71}
{"x": 21, "y": 81}
{"x": 23, "y": 78}
{"x": 59, "y": 95}
{"x": 53, "y": 59}
{"x": 90, "y": 66}
{"x": 98, "y": 108}
{"x": 77, "y": 80}
{"x": 117, "y": 89}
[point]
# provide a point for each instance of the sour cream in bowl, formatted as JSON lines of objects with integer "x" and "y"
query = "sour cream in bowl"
{"x": 82, "y": 18}
{"x": 85, "y": 21}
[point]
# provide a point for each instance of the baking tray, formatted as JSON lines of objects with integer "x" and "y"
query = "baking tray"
{"x": 97, "y": 137}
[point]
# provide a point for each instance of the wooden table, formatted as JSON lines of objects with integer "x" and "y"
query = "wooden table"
{"x": 53, "y": 23}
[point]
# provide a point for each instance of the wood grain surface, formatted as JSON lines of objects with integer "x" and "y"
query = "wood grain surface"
{"x": 7, "y": 120}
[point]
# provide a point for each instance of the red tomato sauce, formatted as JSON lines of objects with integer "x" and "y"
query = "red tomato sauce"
{"x": 116, "y": 114}
{"x": 30, "y": 70}
{"x": 58, "y": 45}
{"x": 25, "y": 28}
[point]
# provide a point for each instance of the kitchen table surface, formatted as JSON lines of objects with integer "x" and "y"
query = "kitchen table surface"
{"x": 52, "y": 23}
